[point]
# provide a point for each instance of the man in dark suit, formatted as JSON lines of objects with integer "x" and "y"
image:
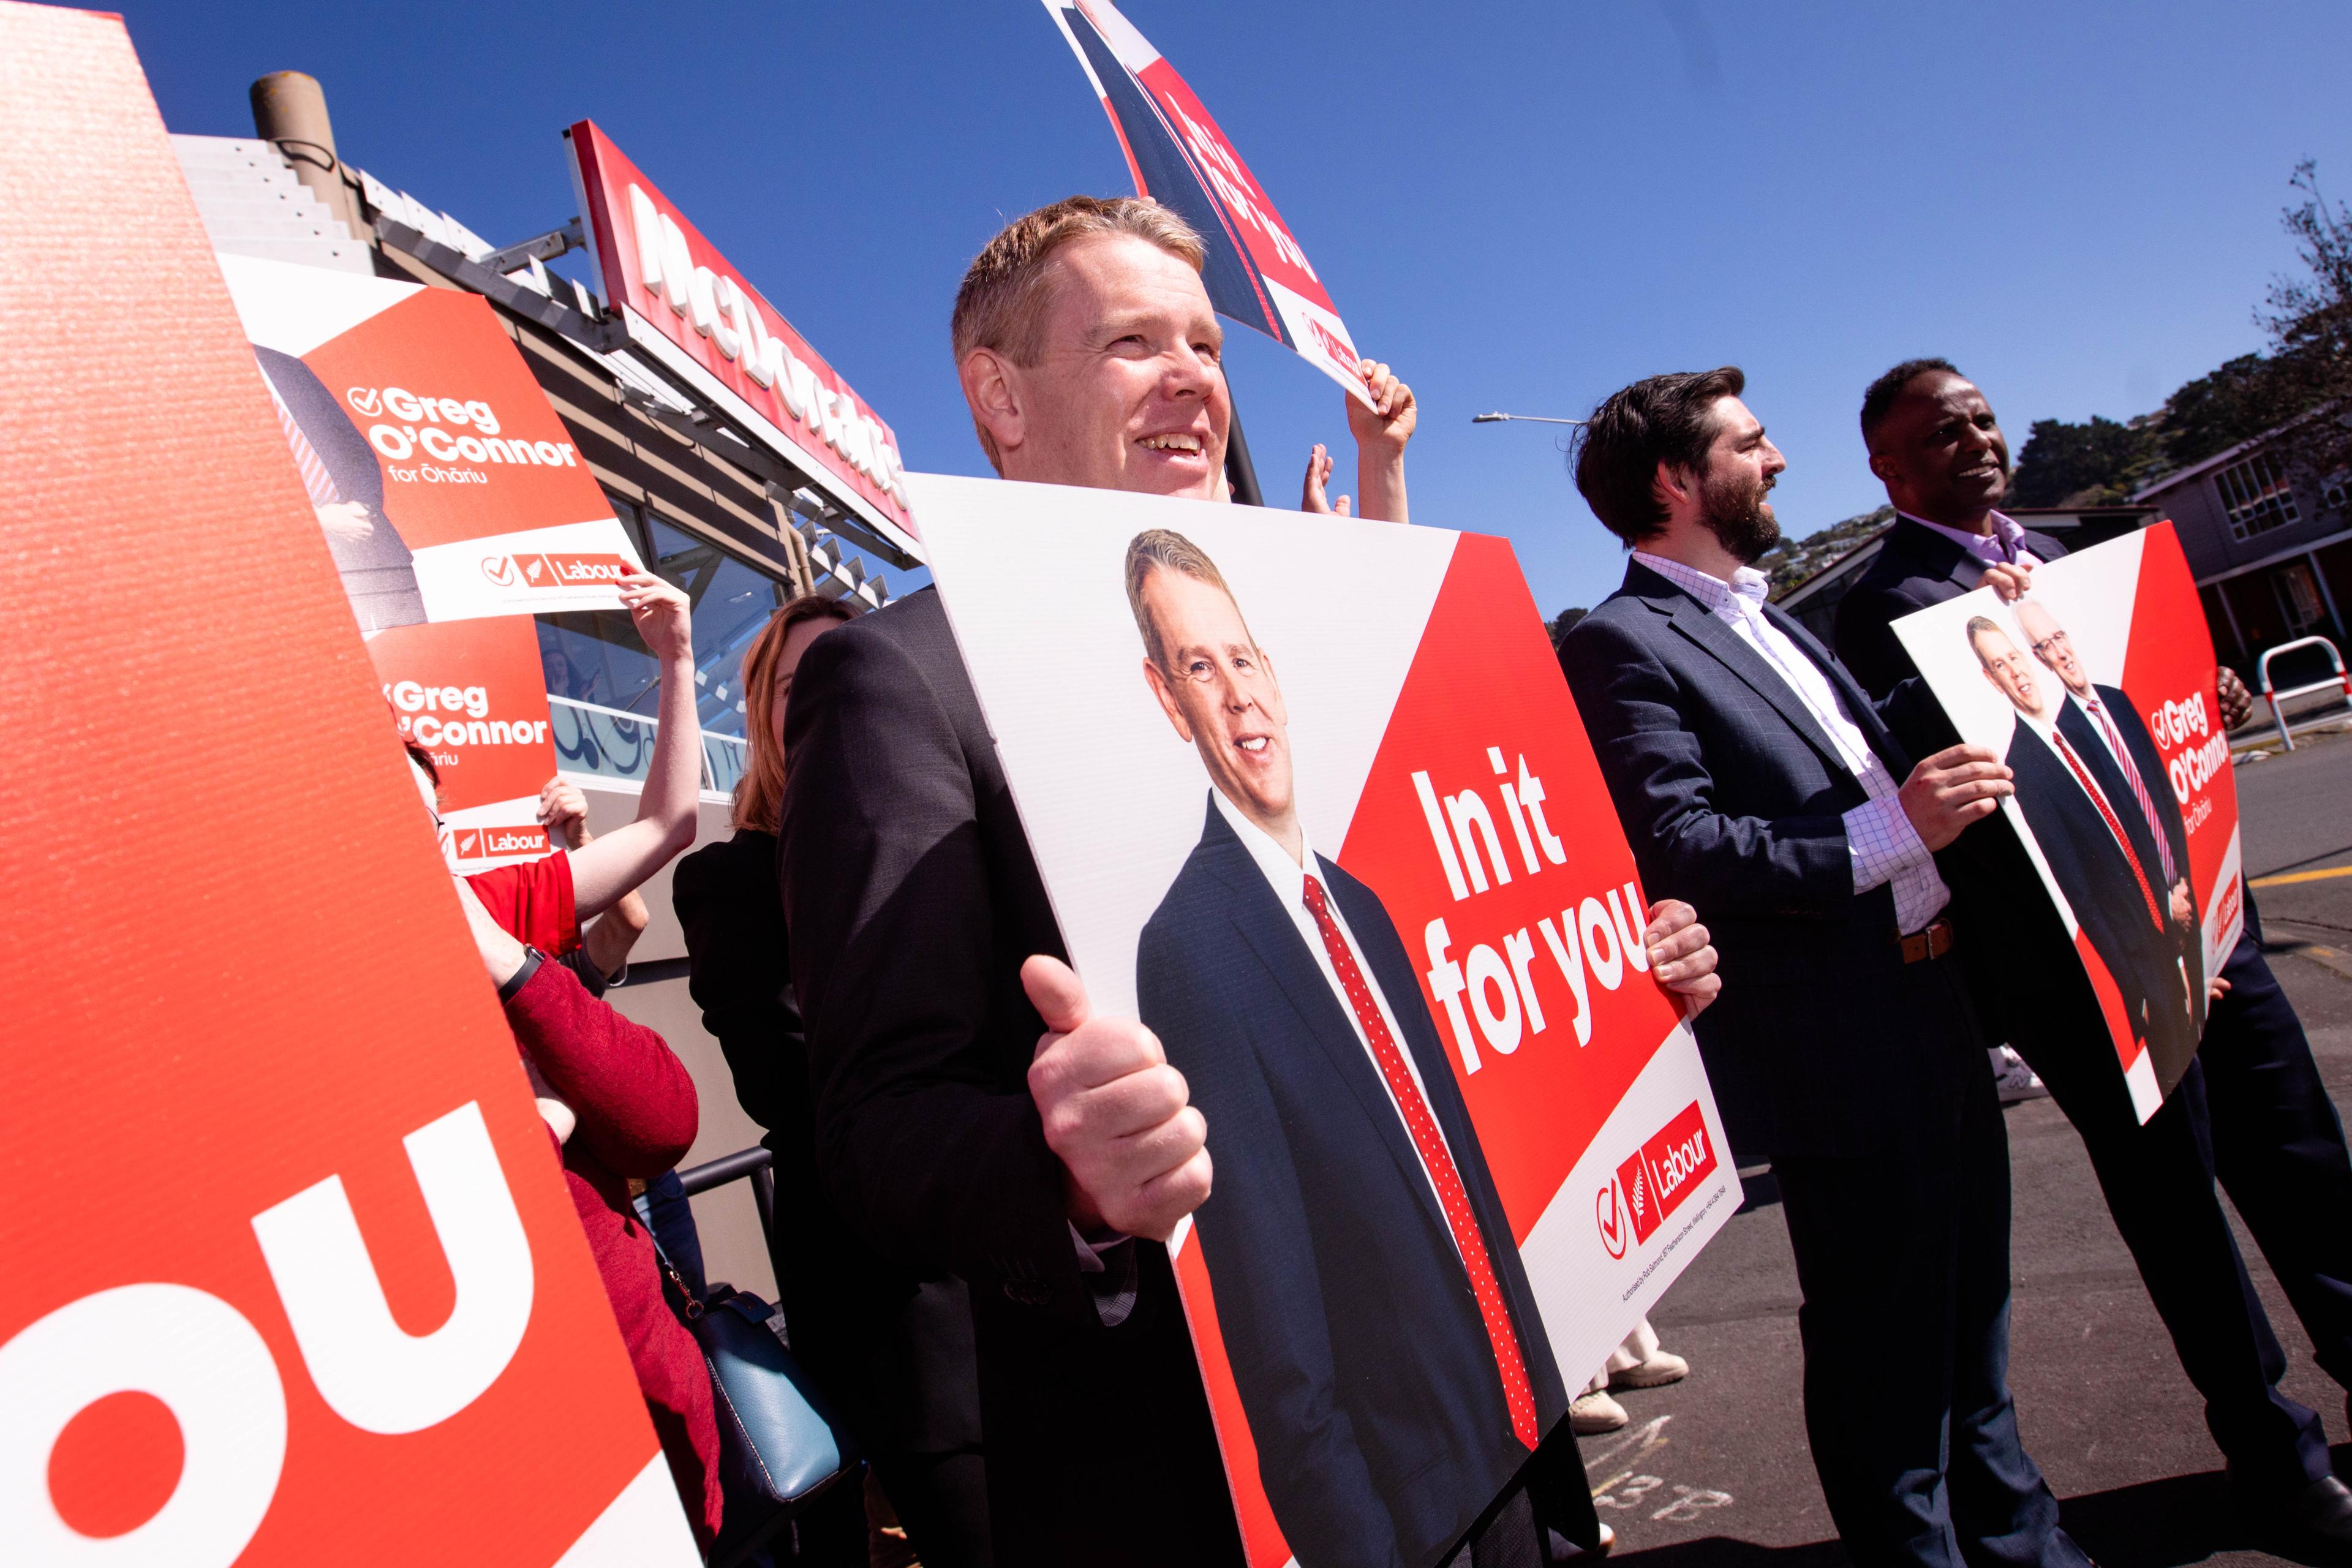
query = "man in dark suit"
{"x": 2106, "y": 731}
{"x": 1382, "y": 1335}
{"x": 2272, "y": 1136}
{"x": 1758, "y": 782}
{"x": 340, "y": 470}
{"x": 2110, "y": 875}
{"x": 974, "y": 1116}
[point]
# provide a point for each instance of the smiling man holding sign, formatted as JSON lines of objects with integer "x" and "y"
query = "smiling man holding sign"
{"x": 948, "y": 836}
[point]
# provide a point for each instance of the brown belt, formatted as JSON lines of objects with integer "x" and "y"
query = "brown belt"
{"x": 1933, "y": 943}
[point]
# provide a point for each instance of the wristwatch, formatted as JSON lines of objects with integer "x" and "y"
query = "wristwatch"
{"x": 531, "y": 959}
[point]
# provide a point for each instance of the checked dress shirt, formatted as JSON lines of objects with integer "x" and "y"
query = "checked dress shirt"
{"x": 1884, "y": 846}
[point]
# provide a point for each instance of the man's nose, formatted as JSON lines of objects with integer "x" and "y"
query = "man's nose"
{"x": 1189, "y": 374}
{"x": 1773, "y": 461}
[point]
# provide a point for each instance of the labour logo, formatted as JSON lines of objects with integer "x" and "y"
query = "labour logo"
{"x": 1664, "y": 1170}
{"x": 1609, "y": 1210}
{"x": 365, "y": 400}
{"x": 499, "y": 570}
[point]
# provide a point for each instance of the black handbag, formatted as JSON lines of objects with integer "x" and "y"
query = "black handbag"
{"x": 780, "y": 1445}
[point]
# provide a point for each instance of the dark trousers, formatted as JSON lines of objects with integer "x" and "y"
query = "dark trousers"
{"x": 2278, "y": 1147}
{"x": 1904, "y": 1260}
{"x": 2158, "y": 1181}
{"x": 901, "y": 1373}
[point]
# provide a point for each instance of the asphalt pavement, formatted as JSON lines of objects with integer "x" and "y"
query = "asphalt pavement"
{"x": 1714, "y": 1472}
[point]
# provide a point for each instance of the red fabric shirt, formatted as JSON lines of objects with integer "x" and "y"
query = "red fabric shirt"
{"x": 637, "y": 1114}
{"x": 532, "y": 903}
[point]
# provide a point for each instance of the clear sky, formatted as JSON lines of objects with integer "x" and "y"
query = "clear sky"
{"x": 1521, "y": 206}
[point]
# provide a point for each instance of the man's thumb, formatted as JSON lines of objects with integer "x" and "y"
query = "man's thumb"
{"x": 1056, "y": 991}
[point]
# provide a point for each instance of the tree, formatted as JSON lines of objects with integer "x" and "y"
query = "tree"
{"x": 2310, "y": 322}
{"x": 2235, "y": 402}
{"x": 1564, "y": 623}
{"x": 2095, "y": 464}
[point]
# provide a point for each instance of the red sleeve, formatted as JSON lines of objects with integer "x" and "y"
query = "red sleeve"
{"x": 635, "y": 1105}
{"x": 532, "y": 902}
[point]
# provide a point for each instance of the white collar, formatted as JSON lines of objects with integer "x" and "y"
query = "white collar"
{"x": 1746, "y": 592}
{"x": 1287, "y": 876}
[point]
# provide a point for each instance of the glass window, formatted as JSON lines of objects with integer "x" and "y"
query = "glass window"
{"x": 733, "y": 600}
{"x": 596, "y": 657}
{"x": 2256, "y": 496}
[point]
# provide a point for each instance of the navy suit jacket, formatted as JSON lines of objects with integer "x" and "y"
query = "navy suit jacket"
{"x": 1733, "y": 798}
{"x": 2176, "y": 1031}
{"x": 1915, "y": 568}
{"x": 2090, "y": 869}
{"x": 1357, "y": 1346}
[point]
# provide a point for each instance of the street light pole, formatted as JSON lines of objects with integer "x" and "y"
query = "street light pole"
{"x": 1530, "y": 418}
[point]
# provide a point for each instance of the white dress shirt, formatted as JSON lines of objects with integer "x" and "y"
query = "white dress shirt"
{"x": 1884, "y": 846}
{"x": 1287, "y": 877}
{"x": 2005, "y": 545}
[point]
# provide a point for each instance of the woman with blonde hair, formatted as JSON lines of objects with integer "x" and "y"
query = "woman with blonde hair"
{"x": 894, "y": 1353}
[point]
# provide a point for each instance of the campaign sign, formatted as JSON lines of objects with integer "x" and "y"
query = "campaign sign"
{"x": 2097, "y": 690}
{"x": 445, "y": 484}
{"x": 474, "y": 696}
{"x": 1310, "y": 798}
{"x": 1258, "y": 273}
{"x": 294, "y": 1276}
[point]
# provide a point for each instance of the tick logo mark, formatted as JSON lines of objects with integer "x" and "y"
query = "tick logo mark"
{"x": 499, "y": 570}
{"x": 365, "y": 399}
{"x": 1606, "y": 1210}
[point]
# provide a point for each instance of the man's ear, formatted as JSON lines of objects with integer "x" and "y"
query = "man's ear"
{"x": 1883, "y": 467}
{"x": 1158, "y": 684}
{"x": 990, "y": 387}
{"x": 1674, "y": 487}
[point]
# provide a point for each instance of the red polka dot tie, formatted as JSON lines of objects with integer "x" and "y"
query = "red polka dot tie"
{"x": 1516, "y": 1394}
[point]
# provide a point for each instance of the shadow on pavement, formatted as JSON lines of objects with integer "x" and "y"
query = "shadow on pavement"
{"x": 1722, "y": 1551}
{"x": 2168, "y": 1523}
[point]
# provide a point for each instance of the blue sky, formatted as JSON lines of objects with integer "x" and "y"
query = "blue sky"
{"x": 1522, "y": 207}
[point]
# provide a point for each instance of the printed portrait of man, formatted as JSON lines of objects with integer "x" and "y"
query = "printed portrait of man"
{"x": 1383, "y": 1338}
{"x": 346, "y": 485}
{"x": 2108, "y": 733}
{"x": 2123, "y": 876}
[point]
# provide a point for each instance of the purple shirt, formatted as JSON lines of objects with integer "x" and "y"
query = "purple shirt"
{"x": 2005, "y": 545}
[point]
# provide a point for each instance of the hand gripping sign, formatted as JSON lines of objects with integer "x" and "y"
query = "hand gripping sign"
{"x": 304, "y": 1283}
{"x": 2098, "y": 690}
{"x": 1256, "y": 272}
{"x": 1334, "y": 833}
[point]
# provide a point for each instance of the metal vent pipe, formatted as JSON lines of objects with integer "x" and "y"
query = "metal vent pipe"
{"x": 290, "y": 111}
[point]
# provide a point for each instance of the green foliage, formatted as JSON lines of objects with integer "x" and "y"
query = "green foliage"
{"x": 1791, "y": 562}
{"x": 2309, "y": 319}
{"x": 2235, "y": 402}
{"x": 2095, "y": 464}
{"x": 1564, "y": 622}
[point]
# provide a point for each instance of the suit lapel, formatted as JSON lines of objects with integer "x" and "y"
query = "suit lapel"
{"x": 1695, "y": 621}
{"x": 1857, "y": 701}
{"x": 1266, "y": 927}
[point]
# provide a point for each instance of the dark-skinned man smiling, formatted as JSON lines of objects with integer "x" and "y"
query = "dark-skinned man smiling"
{"x": 2251, "y": 1108}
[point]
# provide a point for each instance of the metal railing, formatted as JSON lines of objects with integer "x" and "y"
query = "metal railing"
{"x": 607, "y": 742}
{"x": 2275, "y": 697}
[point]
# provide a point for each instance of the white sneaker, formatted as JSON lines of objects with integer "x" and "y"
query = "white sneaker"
{"x": 1592, "y": 1413}
{"x": 2013, "y": 1079}
{"x": 1663, "y": 1368}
